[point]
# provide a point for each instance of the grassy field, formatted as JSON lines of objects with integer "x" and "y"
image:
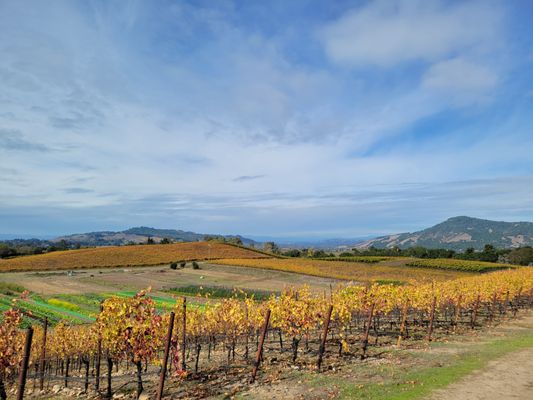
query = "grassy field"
{"x": 384, "y": 272}
{"x": 126, "y": 256}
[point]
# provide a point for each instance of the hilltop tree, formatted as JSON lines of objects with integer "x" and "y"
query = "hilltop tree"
{"x": 271, "y": 247}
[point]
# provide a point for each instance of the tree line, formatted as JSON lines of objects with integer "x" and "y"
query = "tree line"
{"x": 518, "y": 256}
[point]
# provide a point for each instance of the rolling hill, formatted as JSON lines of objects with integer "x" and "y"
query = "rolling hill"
{"x": 140, "y": 235}
{"x": 460, "y": 233}
{"x": 126, "y": 256}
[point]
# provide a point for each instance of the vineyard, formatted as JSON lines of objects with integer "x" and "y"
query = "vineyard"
{"x": 188, "y": 348}
{"x": 360, "y": 259}
{"x": 458, "y": 265}
{"x": 349, "y": 270}
{"x": 125, "y": 256}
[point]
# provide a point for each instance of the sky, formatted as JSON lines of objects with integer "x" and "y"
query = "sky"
{"x": 300, "y": 119}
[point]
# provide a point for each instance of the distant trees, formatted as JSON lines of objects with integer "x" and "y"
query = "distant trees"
{"x": 520, "y": 256}
{"x": 222, "y": 239}
{"x": 165, "y": 241}
{"x": 271, "y": 247}
{"x": 150, "y": 240}
{"x": 292, "y": 253}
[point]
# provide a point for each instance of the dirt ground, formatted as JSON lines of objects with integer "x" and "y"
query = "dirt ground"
{"x": 160, "y": 277}
{"x": 509, "y": 377}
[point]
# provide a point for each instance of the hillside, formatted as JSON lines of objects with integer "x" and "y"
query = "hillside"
{"x": 139, "y": 235}
{"x": 121, "y": 256}
{"x": 460, "y": 233}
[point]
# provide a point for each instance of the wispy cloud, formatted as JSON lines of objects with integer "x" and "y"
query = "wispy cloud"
{"x": 244, "y": 178}
{"x": 13, "y": 140}
{"x": 261, "y": 117}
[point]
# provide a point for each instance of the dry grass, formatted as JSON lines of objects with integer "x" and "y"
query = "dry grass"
{"x": 121, "y": 256}
{"x": 360, "y": 272}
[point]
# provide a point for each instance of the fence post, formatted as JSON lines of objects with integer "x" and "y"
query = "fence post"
{"x": 260, "y": 347}
{"x": 25, "y": 362}
{"x": 431, "y": 318}
{"x": 474, "y": 312}
{"x": 184, "y": 334}
{"x": 165, "y": 357}
{"x": 324, "y": 337}
{"x": 367, "y": 330}
{"x": 404, "y": 321}
{"x": 43, "y": 355}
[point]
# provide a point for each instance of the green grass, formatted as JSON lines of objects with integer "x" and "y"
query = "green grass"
{"x": 10, "y": 289}
{"x": 219, "y": 292}
{"x": 435, "y": 372}
{"x": 458, "y": 265}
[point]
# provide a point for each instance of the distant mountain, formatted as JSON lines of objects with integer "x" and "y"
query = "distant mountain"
{"x": 140, "y": 235}
{"x": 324, "y": 244}
{"x": 460, "y": 233}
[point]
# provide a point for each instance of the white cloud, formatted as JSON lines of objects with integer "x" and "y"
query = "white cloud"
{"x": 466, "y": 81}
{"x": 387, "y": 32}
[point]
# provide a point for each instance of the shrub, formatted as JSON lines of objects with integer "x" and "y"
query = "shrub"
{"x": 195, "y": 265}
{"x": 183, "y": 264}
{"x": 173, "y": 265}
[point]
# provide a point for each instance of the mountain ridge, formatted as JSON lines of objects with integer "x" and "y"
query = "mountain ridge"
{"x": 460, "y": 233}
{"x": 140, "y": 234}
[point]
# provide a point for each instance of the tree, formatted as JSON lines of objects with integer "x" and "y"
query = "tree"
{"x": 165, "y": 241}
{"x": 292, "y": 253}
{"x": 521, "y": 256}
{"x": 271, "y": 247}
{"x": 150, "y": 240}
{"x": 173, "y": 265}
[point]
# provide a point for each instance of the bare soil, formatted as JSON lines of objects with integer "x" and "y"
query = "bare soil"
{"x": 106, "y": 280}
{"x": 509, "y": 377}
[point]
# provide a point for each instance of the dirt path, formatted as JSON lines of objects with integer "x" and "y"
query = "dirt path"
{"x": 509, "y": 377}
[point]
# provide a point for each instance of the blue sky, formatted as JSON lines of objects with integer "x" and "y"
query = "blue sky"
{"x": 293, "y": 119}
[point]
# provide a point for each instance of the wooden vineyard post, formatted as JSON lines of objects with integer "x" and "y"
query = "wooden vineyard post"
{"x": 506, "y": 304}
{"x": 324, "y": 337}
{"x": 25, "y": 362}
{"x": 184, "y": 335}
{"x": 516, "y": 302}
{"x": 43, "y": 355}
{"x": 474, "y": 312}
{"x": 367, "y": 330}
{"x": 98, "y": 356}
{"x": 259, "y": 354}
{"x": 403, "y": 323}
{"x": 492, "y": 307}
{"x": 457, "y": 312}
{"x": 431, "y": 318}
{"x": 165, "y": 357}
